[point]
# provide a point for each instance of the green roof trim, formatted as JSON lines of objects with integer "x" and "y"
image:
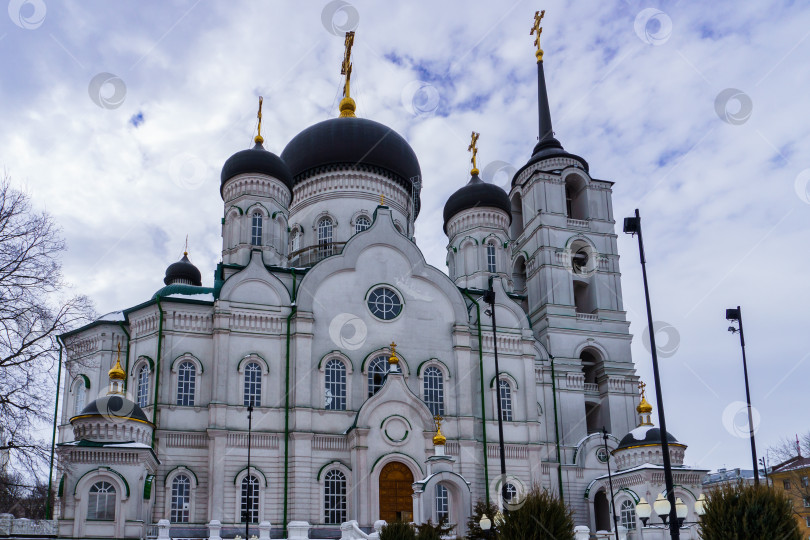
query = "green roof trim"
{"x": 333, "y": 462}
{"x": 147, "y": 486}
{"x": 183, "y": 289}
{"x": 106, "y": 470}
{"x": 61, "y": 490}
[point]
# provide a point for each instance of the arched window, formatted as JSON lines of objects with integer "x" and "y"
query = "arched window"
{"x": 491, "y": 258}
{"x": 295, "y": 241}
{"x": 628, "y": 514}
{"x": 101, "y": 502}
{"x": 181, "y": 498}
{"x": 256, "y": 229}
{"x": 361, "y": 224}
{"x": 442, "y": 502}
{"x": 506, "y": 400}
{"x": 81, "y": 395}
{"x": 186, "y": 383}
{"x": 434, "y": 390}
{"x": 250, "y": 499}
{"x": 143, "y": 386}
{"x": 325, "y": 237}
{"x": 253, "y": 384}
{"x": 335, "y": 392}
{"x": 334, "y": 497}
{"x": 376, "y": 374}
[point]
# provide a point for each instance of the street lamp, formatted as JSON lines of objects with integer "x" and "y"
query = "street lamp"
{"x": 700, "y": 505}
{"x": 735, "y": 315}
{"x": 632, "y": 225}
{"x": 643, "y": 511}
{"x": 489, "y": 298}
{"x": 610, "y": 481}
{"x": 662, "y": 507}
{"x": 680, "y": 511}
{"x": 485, "y": 524}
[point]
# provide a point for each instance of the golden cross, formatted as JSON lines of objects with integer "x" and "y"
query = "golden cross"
{"x": 642, "y": 386}
{"x": 538, "y": 16}
{"x": 119, "y": 349}
{"x": 382, "y": 199}
{"x": 346, "y": 66}
{"x": 393, "y": 348}
{"x": 438, "y": 419}
{"x": 474, "y": 149}
{"x": 259, "y": 138}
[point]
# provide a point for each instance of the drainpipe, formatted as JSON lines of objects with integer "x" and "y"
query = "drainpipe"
{"x": 48, "y": 509}
{"x": 126, "y": 379}
{"x": 481, "y": 373}
{"x": 157, "y": 373}
{"x": 293, "y": 309}
{"x": 556, "y": 426}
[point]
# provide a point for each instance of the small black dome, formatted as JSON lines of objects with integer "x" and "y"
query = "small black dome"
{"x": 644, "y": 436}
{"x": 476, "y": 193}
{"x": 548, "y": 148}
{"x": 183, "y": 272}
{"x": 114, "y": 406}
{"x": 256, "y": 160}
{"x": 352, "y": 143}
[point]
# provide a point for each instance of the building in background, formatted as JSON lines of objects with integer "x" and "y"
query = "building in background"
{"x": 793, "y": 477}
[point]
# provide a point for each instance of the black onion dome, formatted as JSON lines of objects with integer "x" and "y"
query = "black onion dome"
{"x": 183, "y": 272}
{"x": 352, "y": 143}
{"x": 642, "y": 437}
{"x": 114, "y": 406}
{"x": 256, "y": 160}
{"x": 476, "y": 193}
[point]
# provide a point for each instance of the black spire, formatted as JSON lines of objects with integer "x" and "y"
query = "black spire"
{"x": 546, "y": 134}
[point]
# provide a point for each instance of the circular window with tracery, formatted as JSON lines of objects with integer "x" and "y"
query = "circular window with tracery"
{"x": 384, "y": 303}
{"x": 601, "y": 455}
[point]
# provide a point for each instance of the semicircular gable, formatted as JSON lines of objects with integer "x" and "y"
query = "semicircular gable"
{"x": 255, "y": 285}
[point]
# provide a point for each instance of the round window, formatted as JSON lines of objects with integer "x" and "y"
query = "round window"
{"x": 384, "y": 303}
{"x": 601, "y": 454}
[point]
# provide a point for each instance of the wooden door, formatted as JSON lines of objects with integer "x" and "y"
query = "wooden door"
{"x": 396, "y": 493}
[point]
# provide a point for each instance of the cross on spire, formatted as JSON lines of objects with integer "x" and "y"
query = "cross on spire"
{"x": 474, "y": 149}
{"x": 641, "y": 386}
{"x": 347, "y": 105}
{"x": 537, "y": 29}
{"x": 259, "y": 139}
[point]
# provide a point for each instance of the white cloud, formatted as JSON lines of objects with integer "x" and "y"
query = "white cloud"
{"x": 722, "y": 220}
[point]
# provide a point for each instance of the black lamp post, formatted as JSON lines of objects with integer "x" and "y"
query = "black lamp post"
{"x": 249, "y": 501}
{"x": 735, "y": 314}
{"x": 610, "y": 481}
{"x": 489, "y": 298}
{"x": 632, "y": 225}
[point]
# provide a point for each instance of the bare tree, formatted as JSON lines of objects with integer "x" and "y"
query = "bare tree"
{"x": 34, "y": 310}
{"x": 788, "y": 447}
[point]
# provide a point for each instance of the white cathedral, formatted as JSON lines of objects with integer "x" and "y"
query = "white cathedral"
{"x": 326, "y": 327}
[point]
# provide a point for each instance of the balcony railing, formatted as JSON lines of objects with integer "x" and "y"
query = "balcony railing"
{"x": 578, "y": 223}
{"x": 313, "y": 254}
{"x": 591, "y": 388}
{"x": 587, "y": 317}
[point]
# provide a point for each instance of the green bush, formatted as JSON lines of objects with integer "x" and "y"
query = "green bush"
{"x": 474, "y": 531}
{"x": 429, "y": 531}
{"x": 541, "y": 517}
{"x": 748, "y": 512}
{"x": 397, "y": 530}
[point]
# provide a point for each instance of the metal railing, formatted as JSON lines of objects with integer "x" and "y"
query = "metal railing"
{"x": 313, "y": 254}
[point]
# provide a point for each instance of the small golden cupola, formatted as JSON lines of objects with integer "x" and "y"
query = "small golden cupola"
{"x": 644, "y": 408}
{"x": 117, "y": 376}
{"x": 393, "y": 359}
{"x": 439, "y": 439}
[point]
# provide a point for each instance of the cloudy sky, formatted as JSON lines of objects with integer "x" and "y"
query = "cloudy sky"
{"x": 117, "y": 117}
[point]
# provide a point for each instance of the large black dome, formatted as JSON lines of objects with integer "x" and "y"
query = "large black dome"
{"x": 644, "y": 436}
{"x": 114, "y": 406}
{"x": 476, "y": 193}
{"x": 352, "y": 143}
{"x": 183, "y": 272}
{"x": 255, "y": 160}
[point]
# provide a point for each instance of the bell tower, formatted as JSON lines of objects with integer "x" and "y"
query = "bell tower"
{"x": 564, "y": 260}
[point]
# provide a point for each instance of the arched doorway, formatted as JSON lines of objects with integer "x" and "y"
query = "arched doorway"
{"x": 601, "y": 510}
{"x": 396, "y": 492}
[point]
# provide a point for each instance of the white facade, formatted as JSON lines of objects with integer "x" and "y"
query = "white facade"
{"x": 291, "y": 323}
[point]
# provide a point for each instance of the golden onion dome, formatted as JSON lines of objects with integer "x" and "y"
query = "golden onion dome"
{"x": 117, "y": 372}
{"x": 439, "y": 439}
{"x": 644, "y": 406}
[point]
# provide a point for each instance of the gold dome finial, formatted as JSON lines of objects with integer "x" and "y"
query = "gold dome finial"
{"x": 393, "y": 360}
{"x": 258, "y": 139}
{"x": 117, "y": 373}
{"x": 536, "y": 28}
{"x": 474, "y": 149}
{"x": 439, "y": 439}
{"x": 644, "y": 408}
{"x": 347, "y": 104}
